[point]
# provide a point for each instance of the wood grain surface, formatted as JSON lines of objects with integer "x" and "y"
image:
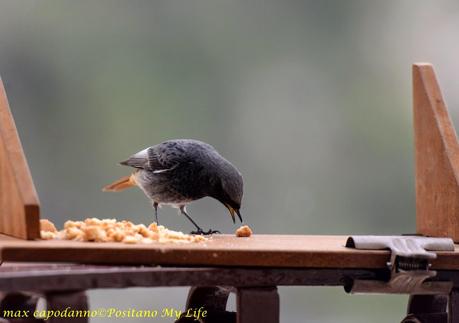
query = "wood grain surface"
{"x": 437, "y": 158}
{"x": 296, "y": 251}
{"x": 19, "y": 205}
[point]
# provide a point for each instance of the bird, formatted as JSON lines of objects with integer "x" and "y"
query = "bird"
{"x": 179, "y": 171}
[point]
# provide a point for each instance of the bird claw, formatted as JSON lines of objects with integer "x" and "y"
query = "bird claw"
{"x": 204, "y": 233}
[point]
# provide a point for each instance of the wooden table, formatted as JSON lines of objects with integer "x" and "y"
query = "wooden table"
{"x": 251, "y": 267}
{"x": 288, "y": 251}
{"x": 293, "y": 251}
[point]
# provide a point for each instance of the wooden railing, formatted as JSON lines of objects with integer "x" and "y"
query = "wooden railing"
{"x": 19, "y": 204}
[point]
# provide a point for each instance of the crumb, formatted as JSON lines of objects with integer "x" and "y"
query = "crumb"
{"x": 147, "y": 240}
{"x": 73, "y": 224}
{"x": 92, "y": 221}
{"x": 111, "y": 230}
{"x": 74, "y": 233}
{"x": 153, "y": 227}
{"x": 142, "y": 229}
{"x": 47, "y": 235}
{"x": 244, "y": 231}
{"x": 48, "y": 226}
{"x": 133, "y": 239}
{"x": 95, "y": 233}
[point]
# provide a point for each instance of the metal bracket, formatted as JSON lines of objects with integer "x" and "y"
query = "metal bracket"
{"x": 409, "y": 265}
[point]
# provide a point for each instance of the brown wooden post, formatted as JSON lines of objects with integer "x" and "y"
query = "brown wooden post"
{"x": 453, "y": 306}
{"x": 257, "y": 304}
{"x": 19, "y": 205}
{"x": 71, "y": 301}
{"x": 437, "y": 158}
{"x": 212, "y": 300}
{"x": 427, "y": 308}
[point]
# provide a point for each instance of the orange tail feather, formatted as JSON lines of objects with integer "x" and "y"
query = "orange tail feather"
{"x": 121, "y": 184}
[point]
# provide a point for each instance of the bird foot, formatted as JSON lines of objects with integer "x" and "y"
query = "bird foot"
{"x": 204, "y": 233}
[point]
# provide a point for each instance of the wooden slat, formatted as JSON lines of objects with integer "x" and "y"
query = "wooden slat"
{"x": 437, "y": 158}
{"x": 57, "y": 277}
{"x": 296, "y": 251}
{"x": 19, "y": 205}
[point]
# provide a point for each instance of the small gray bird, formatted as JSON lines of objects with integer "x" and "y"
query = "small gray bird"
{"x": 176, "y": 172}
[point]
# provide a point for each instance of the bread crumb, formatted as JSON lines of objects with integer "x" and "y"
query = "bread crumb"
{"x": 47, "y": 235}
{"x": 111, "y": 230}
{"x": 48, "y": 226}
{"x": 73, "y": 224}
{"x": 153, "y": 227}
{"x": 74, "y": 233}
{"x": 244, "y": 232}
{"x": 130, "y": 240}
{"x": 95, "y": 233}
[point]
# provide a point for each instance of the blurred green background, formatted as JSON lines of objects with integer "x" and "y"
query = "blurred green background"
{"x": 311, "y": 100}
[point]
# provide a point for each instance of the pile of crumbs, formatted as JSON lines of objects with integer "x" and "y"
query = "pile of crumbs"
{"x": 111, "y": 230}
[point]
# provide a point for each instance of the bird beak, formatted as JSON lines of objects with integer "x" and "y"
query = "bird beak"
{"x": 239, "y": 215}
{"x": 233, "y": 212}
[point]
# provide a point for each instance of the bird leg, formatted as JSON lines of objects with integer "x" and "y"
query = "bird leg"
{"x": 199, "y": 230}
{"x": 155, "y": 206}
{"x": 204, "y": 233}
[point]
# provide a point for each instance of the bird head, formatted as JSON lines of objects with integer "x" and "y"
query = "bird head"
{"x": 229, "y": 190}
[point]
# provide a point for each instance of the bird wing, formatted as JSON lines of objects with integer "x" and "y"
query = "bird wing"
{"x": 160, "y": 158}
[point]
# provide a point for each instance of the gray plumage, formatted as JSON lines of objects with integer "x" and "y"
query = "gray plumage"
{"x": 176, "y": 172}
